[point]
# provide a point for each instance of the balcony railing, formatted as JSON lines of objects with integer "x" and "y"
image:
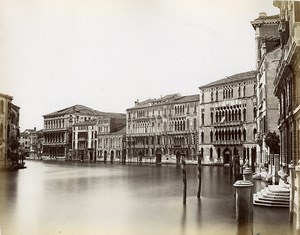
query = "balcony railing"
{"x": 227, "y": 123}
{"x": 227, "y": 142}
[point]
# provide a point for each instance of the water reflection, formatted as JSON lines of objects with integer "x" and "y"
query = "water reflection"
{"x": 183, "y": 220}
{"x": 83, "y": 198}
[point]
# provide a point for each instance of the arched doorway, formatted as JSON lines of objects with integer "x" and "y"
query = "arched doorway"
{"x": 158, "y": 156}
{"x": 226, "y": 155}
{"x": 112, "y": 155}
{"x": 123, "y": 155}
{"x": 140, "y": 156}
{"x": 178, "y": 157}
{"x": 105, "y": 156}
{"x": 253, "y": 158}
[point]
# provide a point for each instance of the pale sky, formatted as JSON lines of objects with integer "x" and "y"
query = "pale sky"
{"x": 105, "y": 54}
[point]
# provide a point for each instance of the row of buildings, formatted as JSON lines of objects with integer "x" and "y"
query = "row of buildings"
{"x": 227, "y": 117}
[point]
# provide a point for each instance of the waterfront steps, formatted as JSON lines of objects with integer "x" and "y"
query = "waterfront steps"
{"x": 273, "y": 196}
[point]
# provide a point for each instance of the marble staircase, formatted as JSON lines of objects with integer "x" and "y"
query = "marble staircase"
{"x": 273, "y": 196}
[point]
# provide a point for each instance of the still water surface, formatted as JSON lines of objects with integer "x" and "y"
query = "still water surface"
{"x": 76, "y": 198}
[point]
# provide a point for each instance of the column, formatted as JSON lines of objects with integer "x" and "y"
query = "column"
{"x": 244, "y": 207}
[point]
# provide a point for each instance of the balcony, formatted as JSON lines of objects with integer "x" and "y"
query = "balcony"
{"x": 227, "y": 123}
{"x": 228, "y": 142}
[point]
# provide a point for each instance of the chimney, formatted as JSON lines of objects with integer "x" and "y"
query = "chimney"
{"x": 262, "y": 14}
{"x": 136, "y": 102}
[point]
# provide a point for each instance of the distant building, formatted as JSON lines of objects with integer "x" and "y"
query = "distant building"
{"x": 58, "y": 129}
{"x": 287, "y": 82}
{"x": 268, "y": 53}
{"x": 164, "y": 128}
{"x": 9, "y": 133}
{"x": 28, "y": 142}
{"x": 112, "y": 138}
{"x": 99, "y": 139}
{"x": 84, "y": 141}
{"x": 227, "y": 113}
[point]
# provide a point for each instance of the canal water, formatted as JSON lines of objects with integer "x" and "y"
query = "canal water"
{"x": 82, "y": 198}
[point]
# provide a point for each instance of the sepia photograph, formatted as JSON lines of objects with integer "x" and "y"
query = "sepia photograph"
{"x": 139, "y": 117}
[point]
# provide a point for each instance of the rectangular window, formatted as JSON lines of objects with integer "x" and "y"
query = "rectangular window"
{"x": 297, "y": 11}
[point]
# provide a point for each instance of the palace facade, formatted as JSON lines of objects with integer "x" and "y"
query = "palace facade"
{"x": 99, "y": 139}
{"x": 163, "y": 129}
{"x": 58, "y": 129}
{"x": 227, "y": 113}
{"x": 287, "y": 82}
{"x": 9, "y": 133}
{"x": 268, "y": 54}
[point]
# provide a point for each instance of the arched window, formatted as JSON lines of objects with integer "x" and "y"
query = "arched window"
{"x": 202, "y": 137}
{"x": 239, "y": 92}
{"x": 244, "y": 91}
{"x": 211, "y": 118}
{"x": 216, "y": 135}
{"x": 244, "y": 114}
{"x": 165, "y": 126}
{"x": 217, "y": 95}
{"x": 219, "y": 152}
{"x": 244, "y": 134}
{"x": 1, "y": 106}
{"x": 254, "y": 113}
{"x": 254, "y": 133}
{"x": 240, "y": 115}
{"x": 203, "y": 97}
{"x": 211, "y": 153}
{"x": 211, "y": 136}
{"x": 195, "y": 124}
{"x": 217, "y": 116}
{"x": 1, "y": 130}
{"x": 188, "y": 124}
{"x": 212, "y": 96}
{"x": 202, "y": 119}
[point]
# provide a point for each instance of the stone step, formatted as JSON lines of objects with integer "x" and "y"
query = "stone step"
{"x": 256, "y": 203}
{"x": 275, "y": 199}
{"x": 266, "y": 193}
{"x": 278, "y": 189}
{"x": 259, "y": 202}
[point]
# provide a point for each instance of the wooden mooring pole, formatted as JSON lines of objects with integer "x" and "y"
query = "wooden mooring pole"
{"x": 199, "y": 177}
{"x": 183, "y": 179}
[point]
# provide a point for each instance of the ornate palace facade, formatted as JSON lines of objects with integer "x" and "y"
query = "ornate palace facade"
{"x": 227, "y": 114}
{"x": 163, "y": 128}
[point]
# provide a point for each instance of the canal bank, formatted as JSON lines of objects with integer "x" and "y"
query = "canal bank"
{"x": 66, "y": 198}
